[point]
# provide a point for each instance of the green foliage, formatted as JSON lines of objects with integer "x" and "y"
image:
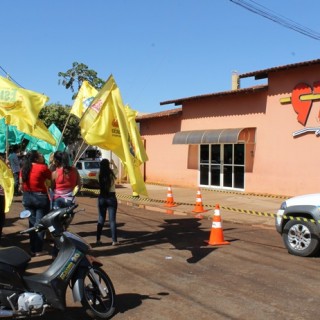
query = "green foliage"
{"x": 58, "y": 114}
{"x": 72, "y": 79}
{"x": 55, "y": 113}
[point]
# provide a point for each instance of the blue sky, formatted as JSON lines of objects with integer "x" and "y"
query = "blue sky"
{"x": 156, "y": 50}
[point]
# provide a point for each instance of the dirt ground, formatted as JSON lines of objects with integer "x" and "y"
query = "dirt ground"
{"x": 164, "y": 269}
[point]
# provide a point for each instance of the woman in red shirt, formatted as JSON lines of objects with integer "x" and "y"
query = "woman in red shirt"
{"x": 35, "y": 178}
{"x": 64, "y": 179}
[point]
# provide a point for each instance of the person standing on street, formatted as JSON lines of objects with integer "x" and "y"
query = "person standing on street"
{"x": 35, "y": 177}
{"x": 64, "y": 180}
{"x": 15, "y": 167}
{"x": 107, "y": 200}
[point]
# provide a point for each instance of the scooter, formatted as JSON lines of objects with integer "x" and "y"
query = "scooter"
{"x": 24, "y": 295}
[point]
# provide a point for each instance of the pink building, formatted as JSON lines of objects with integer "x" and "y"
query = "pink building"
{"x": 261, "y": 139}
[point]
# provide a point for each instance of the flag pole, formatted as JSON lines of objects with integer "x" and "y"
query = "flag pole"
{"x": 7, "y": 132}
{"x": 64, "y": 129}
{"x": 79, "y": 153}
{"x": 7, "y": 141}
{"x": 34, "y": 144}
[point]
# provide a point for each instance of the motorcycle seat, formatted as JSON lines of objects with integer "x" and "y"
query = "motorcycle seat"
{"x": 15, "y": 257}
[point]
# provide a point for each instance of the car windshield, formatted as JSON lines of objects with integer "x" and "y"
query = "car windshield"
{"x": 92, "y": 165}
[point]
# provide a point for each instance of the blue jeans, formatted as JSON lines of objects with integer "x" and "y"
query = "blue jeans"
{"x": 16, "y": 182}
{"x": 39, "y": 205}
{"x": 109, "y": 204}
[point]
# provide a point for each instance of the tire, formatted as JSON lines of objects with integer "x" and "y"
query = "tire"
{"x": 301, "y": 238}
{"x": 95, "y": 305}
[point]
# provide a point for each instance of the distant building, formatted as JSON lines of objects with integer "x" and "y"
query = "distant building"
{"x": 261, "y": 139}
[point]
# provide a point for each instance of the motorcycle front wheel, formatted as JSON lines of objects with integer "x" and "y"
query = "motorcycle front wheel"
{"x": 97, "y": 306}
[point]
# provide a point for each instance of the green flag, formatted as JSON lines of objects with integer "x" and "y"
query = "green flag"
{"x": 14, "y": 135}
{"x": 45, "y": 148}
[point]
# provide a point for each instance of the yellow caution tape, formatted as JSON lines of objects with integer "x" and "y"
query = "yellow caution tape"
{"x": 245, "y": 211}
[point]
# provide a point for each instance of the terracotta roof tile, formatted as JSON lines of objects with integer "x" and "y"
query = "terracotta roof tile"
{"x": 260, "y": 74}
{"x": 217, "y": 94}
{"x": 167, "y": 113}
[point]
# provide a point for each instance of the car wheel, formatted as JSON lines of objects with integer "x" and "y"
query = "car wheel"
{"x": 301, "y": 238}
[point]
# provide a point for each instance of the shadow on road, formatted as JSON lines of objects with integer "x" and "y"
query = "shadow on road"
{"x": 183, "y": 234}
{"x": 127, "y": 301}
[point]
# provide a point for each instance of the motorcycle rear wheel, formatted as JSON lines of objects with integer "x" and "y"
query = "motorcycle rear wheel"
{"x": 96, "y": 306}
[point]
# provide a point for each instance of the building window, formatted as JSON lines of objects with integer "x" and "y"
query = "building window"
{"x": 222, "y": 166}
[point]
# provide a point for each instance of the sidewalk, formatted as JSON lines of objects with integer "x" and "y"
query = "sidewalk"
{"x": 234, "y": 206}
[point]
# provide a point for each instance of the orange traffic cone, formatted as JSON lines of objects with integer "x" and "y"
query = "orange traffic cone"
{"x": 198, "y": 208}
{"x": 170, "y": 201}
{"x": 216, "y": 234}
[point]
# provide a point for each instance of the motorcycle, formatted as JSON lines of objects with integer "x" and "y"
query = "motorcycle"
{"x": 24, "y": 295}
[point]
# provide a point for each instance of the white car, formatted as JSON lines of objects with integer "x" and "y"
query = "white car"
{"x": 298, "y": 222}
{"x": 88, "y": 170}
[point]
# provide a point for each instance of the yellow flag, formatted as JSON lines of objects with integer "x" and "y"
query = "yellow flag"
{"x": 83, "y": 100}
{"x": 94, "y": 111}
{"x": 19, "y": 105}
{"x": 129, "y": 159}
{"x": 41, "y": 132}
{"x": 138, "y": 147}
{"x": 104, "y": 124}
{"x": 7, "y": 183}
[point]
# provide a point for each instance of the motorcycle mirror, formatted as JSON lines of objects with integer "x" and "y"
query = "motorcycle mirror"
{"x": 25, "y": 214}
{"x": 75, "y": 190}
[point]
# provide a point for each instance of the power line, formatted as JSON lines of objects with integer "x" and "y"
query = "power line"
{"x": 10, "y": 78}
{"x": 273, "y": 16}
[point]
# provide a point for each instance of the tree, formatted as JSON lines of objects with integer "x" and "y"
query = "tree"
{"x": 73, "y": 78}
{"x": 58, "y": 114}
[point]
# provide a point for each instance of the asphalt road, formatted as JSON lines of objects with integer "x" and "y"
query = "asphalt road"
{"x": 164, "y": 269}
